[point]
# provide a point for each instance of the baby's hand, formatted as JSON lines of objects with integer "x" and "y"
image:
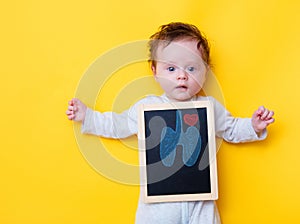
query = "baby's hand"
{"x": 76, "y": 110}
{"x": 262, "y": 118}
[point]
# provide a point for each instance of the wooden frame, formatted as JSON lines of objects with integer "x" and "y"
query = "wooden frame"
{"x": 177, "y": 152}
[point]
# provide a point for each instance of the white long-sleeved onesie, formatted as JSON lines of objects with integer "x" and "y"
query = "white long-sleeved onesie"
{"x": 113, "y": 125}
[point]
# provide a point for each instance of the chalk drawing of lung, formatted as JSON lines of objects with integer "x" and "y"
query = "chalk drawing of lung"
{"x": 190, "y": 140}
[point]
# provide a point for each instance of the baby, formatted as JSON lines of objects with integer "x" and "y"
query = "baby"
{"x": 180, "y": 61}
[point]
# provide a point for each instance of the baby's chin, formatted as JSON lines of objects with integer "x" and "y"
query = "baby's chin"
{"x": 181, "y": 97}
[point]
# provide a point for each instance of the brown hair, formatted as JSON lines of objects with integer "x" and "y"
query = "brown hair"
{"x": 178, "y": 31}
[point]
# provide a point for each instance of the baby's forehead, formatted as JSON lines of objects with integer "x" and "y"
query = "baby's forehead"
{"x": 179, "y": 50}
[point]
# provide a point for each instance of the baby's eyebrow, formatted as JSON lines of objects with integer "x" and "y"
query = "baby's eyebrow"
{"x": 165, "y": 63}
{"x": 172, "y": 64}
{"x": 176, "y": 64}
{"x": 168, "y": 62}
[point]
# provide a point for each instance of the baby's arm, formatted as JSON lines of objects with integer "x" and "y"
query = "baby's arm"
{"x": 76, "y": 110}
{"x": 261, "y": 118}
{"x": 235, "y": 129}
{"x": 104, "y": 124}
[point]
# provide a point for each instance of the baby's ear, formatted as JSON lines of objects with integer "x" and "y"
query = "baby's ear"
{"x": 153, "y": 68}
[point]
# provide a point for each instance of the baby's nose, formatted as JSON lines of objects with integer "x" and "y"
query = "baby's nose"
{"x": 182, "y": 75}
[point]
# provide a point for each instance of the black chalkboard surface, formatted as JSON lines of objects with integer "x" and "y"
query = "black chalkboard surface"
{"x": 177, "y": 152}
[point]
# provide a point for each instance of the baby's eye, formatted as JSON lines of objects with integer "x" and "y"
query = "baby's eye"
{"x": 191, "y": 69}
{"x": 171, "y": 69}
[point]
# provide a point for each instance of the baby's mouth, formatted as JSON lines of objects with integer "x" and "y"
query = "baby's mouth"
{"x": 181, "y": 87}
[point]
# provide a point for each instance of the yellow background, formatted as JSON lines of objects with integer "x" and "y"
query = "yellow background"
{"x": 45, "y": 48}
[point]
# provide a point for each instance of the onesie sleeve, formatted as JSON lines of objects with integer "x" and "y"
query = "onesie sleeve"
{"x": 234, "y": 129}
{"x": 110, "y": 124}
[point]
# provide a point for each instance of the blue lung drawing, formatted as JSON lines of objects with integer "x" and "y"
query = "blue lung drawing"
{"x": 190, "y": 140}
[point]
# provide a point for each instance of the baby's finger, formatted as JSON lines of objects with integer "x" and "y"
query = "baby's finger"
{"x": 260, "y": 110}
{"x": 68, "y": 112}
{"x": 258, "y": 113}
{"x": 71, "y": 108}
{"x": 71, "y": 102}
{"x": 71, "y": 117}
{"x": 270, "y": 115}
{"x": 75, "y": 101}
{"x": 265, "y": 114}
{"x": 270, "y": 121}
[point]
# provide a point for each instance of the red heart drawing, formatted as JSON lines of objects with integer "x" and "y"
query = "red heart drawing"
{"x": 190, "y": 119}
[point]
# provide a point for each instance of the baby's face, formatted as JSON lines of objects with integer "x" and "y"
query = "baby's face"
{"x": 180, "y": 69}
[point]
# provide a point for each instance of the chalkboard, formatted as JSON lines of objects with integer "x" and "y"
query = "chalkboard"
{"x": 177, "y": 152}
